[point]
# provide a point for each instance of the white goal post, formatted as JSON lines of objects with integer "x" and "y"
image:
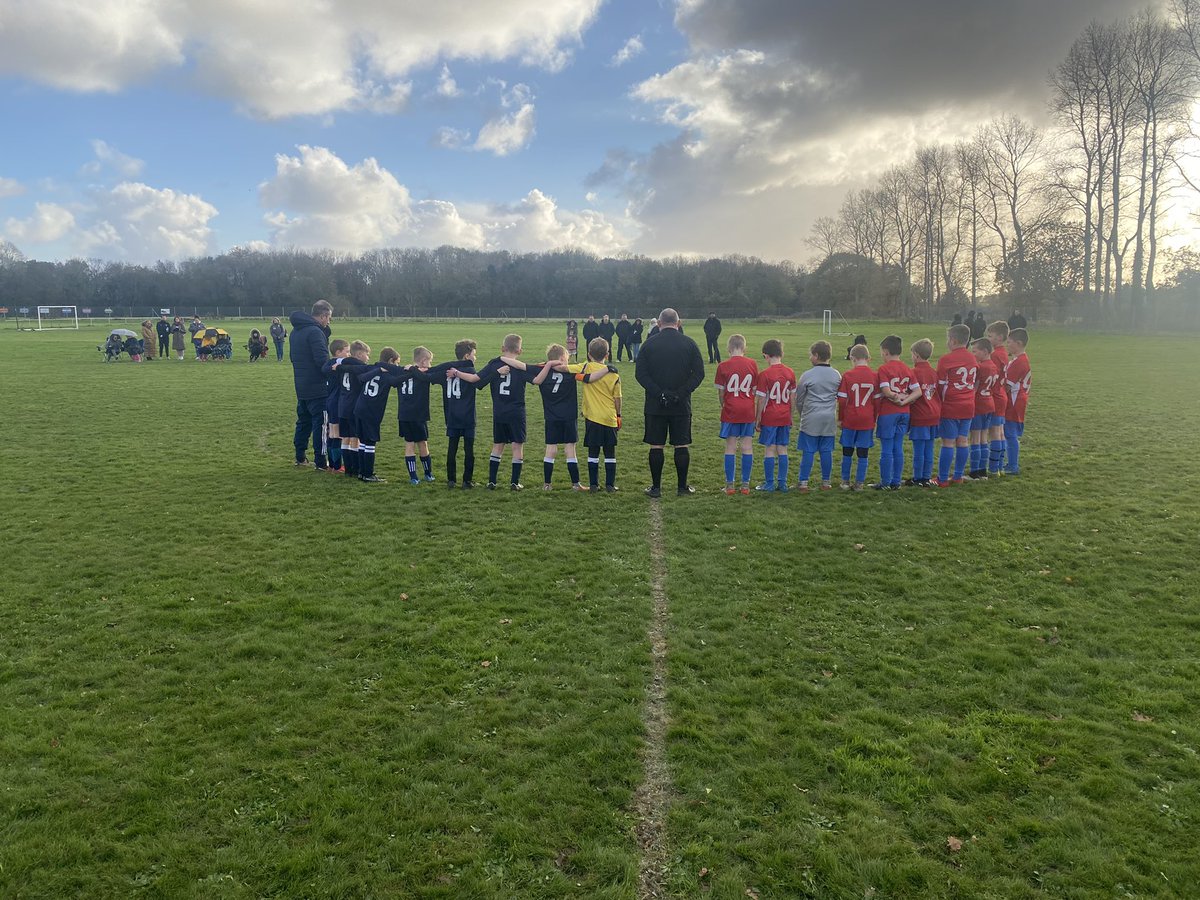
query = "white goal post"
{"x": 827, "y": 324}
{"x": 51, "y": 317}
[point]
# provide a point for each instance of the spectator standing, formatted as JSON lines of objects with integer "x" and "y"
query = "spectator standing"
{"x": 309, "y": 351}
{"x": 1016, "y": 320}
{"x": 978, "y": 326}
{"x": 591, "y": 330}
{"x": 607, "y": 331}
{"x": 624, "y": 329}
{"x": 149, "y": 339}
{"x": 635, "y": 338}
{"x": 193, "y": 327}
{"x": 957, "y": 320}
{"x": 653, "y": 329}
{"x": 712, "y": 331}
{"x": 163, "y": 329}
{"x": 278, "y": 334}
{"x": 177, "y": 333}
{"x": 670, "y": 369}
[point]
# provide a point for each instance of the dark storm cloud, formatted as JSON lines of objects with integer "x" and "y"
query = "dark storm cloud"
{"x": 906, "y": 53}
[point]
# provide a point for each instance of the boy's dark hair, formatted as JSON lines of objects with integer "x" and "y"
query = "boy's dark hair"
{"x": 821, "y": 350}
{"x": 388, "y": 355}
{"x": 982, "y": 344}
{"x": 463, "y": 347}
{"x": 322, "y": 308}
{"x": 1020, "y": 335}
{"x": 892, "y": 344}
{"x": 773, "y": 347}
{"x": 960, "y": 334}
{"x": 337, "y": 345}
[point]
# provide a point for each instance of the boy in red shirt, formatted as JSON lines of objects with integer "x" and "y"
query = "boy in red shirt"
{"x": 926, "y": 412}
{"x": 897, "y": 390}
{"x": 997, "y": 333}
{"x": 773, "y": 416}
{"x": 735, "y": 389}
{"x": 956, "y": 373}
{"x": 987, "y": 381}
{"x": 856, "y": 409}
{"x": 1017, "y": 377}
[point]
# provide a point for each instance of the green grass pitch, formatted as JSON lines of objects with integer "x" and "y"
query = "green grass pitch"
{"x": 221, "y": 676}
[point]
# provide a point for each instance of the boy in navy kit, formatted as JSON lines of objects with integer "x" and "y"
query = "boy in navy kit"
{"x": 987, "y": 381}
{"x": 369, "y": 408}
{"x": 956, "y": 373}
{"x": 348, "y": 389}
{"x": 508, "y": 408}
{"x": 924, "y": 414}
{"x": 458, "y": 406}
{"x": 412, "y": 412}
{"x": 338, "y": 350}
{"x": 856, "y": 408}
{"x": 898, "y": 389}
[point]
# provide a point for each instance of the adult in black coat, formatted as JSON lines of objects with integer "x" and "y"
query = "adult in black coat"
{"x": 978, "y": 326}
{"x": 712, "y": 331}
{"x": 670, "y": 369}
{"x": 624, "y": 332}
{"x": 1016, "y": 320}
{"x": 308, "y": 349}
{"x": 635, "y": 337}
{"x": 607, "y": 331}
{"x": 591, "y": 329}
{"x": 957, "y": 320}
{"x": 163, "y": 329}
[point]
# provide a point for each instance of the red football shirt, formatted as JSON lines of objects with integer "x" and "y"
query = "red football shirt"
{"x": 776, "y": 384}
{"x": 737, "y": 375}
{"x": 1017, "y": 377}
{"x": 856, "y": 399}
{"x": 899, "y": 377}
{"x": 987, "y": 383}
{"x": 926, "y": 410}
{"x": 999, "y": 393}
{"x": 956, "y": 374}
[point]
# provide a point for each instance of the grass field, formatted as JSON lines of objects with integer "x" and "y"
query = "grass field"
{"x": 223, "y": 676}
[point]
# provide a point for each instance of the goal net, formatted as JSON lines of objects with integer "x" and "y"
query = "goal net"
{"x": 831, "y": 320}
{"x": 50, "y": 317}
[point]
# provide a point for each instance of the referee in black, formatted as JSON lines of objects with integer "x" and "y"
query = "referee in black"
{"x": 670, "y": 368}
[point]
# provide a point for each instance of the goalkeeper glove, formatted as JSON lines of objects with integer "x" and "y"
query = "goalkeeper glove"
{"x": 612, "y": 369}
{"x": 618, "y": 423}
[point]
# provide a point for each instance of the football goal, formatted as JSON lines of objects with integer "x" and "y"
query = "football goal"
{"x": 828, "y": 323}
{"x": 51, "y": 317}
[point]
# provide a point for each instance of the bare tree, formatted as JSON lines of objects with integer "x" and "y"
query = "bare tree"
{"x": 828, "y": 236}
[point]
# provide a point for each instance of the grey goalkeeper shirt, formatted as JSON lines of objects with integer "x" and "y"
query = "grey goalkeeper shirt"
{"x": 816, "y": 400}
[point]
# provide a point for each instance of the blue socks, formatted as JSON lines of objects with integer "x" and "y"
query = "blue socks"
{"x": 885, "y": 460}
{"x": 826, "y": 465}
{"x": 769, "y": 471}
{"x": 782, "y": 466}
{"x": 1013, "y": 465}
{"x": 806, "y": 464}
{"x": 747, "y": 467}
{"x": 846, "y": 460}
{"x": 945, "y": 460}
{"x": 730, "y": 465}
{"x": 961, "y": 454}
{"x": 861, "y": 475}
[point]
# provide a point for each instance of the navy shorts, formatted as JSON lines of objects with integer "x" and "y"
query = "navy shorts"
{"x": 951, "y": 429}
{"x": 367, "y": 430}
{"x": 815, "y": 443}
{"x": 559, "y": 431}
{"x": 597, "y": 435}
{"x": 508, "y": 431}
{"x": 860, "y": 438}
{"x": 414, "y": 431}
{"x": 775, "y": 435}
{"x": 892, "y": 427}
{"x": 461, "y": 432}
{"x": 737, "y": 429}
{"x": 346, "y": 427}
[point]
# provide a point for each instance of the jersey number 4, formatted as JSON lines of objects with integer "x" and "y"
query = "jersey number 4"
{"x": 454, "y": 389}
{"x": 781, "y": 392}
{"x": 739, "y": 386}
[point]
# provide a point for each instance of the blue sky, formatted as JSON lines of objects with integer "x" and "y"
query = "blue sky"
{"x": 172, "y": 129}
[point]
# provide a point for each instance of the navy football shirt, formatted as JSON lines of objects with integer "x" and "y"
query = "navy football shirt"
{"x": 560, "y": 399}
{"x": 348, "y": 386}
{"x": 508, "y": 391}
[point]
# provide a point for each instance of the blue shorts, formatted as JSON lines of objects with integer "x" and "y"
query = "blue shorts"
{"x": 737, "y": 429}
{"x": 892, "y": 427}
{"x": 861, "y": 438}
{"x": 981, "y": 422}
{"x": 997, "y": 420}
{"x": 775, "y": 435}
{"x": 952, "y": 429}
{"x": 922, "y": 432}
{"x": 815, "y": 443}
{"x": 1014, "y": 429}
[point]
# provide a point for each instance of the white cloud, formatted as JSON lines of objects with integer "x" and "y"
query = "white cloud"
{"x": 10, "y": 187}
{"x": 277, "y": 58}
{"x": 317, "y": 200}
{"x": 631, "y": 48}
{"x": 507, "y": 133}
{"x": 451, "y": 138}
{"x": 109, "y": 157}
{"x": 49, "y": 222}
{"x": 447, "y": 86}
{"x": 140, "y": 223}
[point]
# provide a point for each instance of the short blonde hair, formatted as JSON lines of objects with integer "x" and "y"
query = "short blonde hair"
{"x": 556, "y": 351}
{"x": 736, "y": 342}
{"x": 360, "y": 347}
{"x": 922, "y": 348}
{"x": 999, "y": 329}
{"x": 860, "y": 352}
{"x": 420, "y": 353}
{"x": 512, "y": 343}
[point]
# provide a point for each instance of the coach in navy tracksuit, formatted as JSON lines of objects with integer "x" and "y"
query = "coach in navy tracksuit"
{"x": 308, "y": 349}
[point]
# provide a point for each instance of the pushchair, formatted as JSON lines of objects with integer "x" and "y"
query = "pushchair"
{"x": 257, "y": 345}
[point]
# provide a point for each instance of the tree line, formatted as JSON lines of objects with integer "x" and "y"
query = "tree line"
{"x": 1062, "y": 219}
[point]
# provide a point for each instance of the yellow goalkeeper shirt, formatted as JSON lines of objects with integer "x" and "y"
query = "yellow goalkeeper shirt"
{"x": 599, "y": 397}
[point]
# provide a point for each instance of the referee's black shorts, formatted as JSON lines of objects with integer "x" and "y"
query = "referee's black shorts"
{"x": 675, "y": 429}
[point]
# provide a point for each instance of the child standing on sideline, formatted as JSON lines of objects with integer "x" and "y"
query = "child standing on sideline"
{"x": 956, "y": 373}
{"x": 816, "y": 408}
{"x": 986, "y": 381}
{"x": 735, "y": 391}
{"x": 1017, "y": 378}
{"x": 773, "y": 416}
{"x": 857, "y": 394}
{"x": 925, "y": 413}
{"x": 898, "y": 390}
